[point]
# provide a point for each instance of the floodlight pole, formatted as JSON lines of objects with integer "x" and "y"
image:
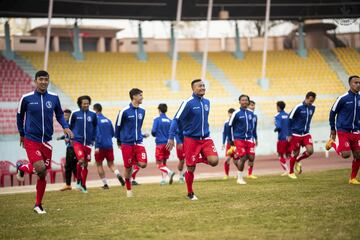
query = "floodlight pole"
{"x": 264, "y": 82}
{"x": 206, "y": 47}
{"x": 48, "y": 32}
{"x": 174, "y": 83}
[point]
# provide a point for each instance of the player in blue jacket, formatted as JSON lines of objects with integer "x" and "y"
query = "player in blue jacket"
{"x": 226, "y": 140}
{"x": 83, "y": 123}
{"x": 193, "y": 116}
{"x": 282, "y": 128}
{"x": 241, "y": 134}
{"x": 104, "y": 146}
{"x": 299, "y": 135}
{"x": 38, "y": 107}
{"x": 160, "y": 130}
{"x": 345, "y": 121}
{"x": 129, "y": 136}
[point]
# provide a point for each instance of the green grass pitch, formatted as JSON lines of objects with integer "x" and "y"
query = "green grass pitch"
{"x": 318, "y": 205}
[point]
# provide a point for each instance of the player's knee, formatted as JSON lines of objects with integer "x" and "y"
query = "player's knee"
{"x": 346, "y": 154}
{"x": 84, "y": 164}
{"x": 142, "y": 165}
{"x": 40, "y": 170}
{"x": 310, "y": 151}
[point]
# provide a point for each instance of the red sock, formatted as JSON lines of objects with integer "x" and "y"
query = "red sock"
{"x": 27, "y": 168}
{"x": 127, "y": 184}
{"x": 189, "y": 178}
{"x": 84, "y": 173}
{"x": 283, "y": 162}
{"x": 292, "y": 164}
{"x": 226, "y": 168}
{"x": 40, "y": 190}
{"x": 250, "y": 170}
{"x": 333, "y": 145}
{"x": 135, "y": 171}
{"x": 303, "y": 156}
{"x": 355, "y": 168}
{"x": 78, "y": 172}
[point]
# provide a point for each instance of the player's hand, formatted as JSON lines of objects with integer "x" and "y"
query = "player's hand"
{"x": 146, "y": 135}
{"x": 22, "y": 142}
{"x": 179, "y": 146}
{"x": 223, "y": 147}
{"x": 333, "y": 134}
{"x": 96, "y": 150}
{"x": 170, "y": 145}
{"x": 289, "y": 138}
{"x": 68, "y": 132}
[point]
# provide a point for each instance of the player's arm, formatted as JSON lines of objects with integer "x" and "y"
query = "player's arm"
{"x": 277, "y": 121}
{"x": 95, "y": 129}
{"x": 231, "y": 128}
{"x": 20, "y": 120}
{"x": 118, "y": 123}
{"x": 333, "y": 112}
{"x": 224, "y": 135}
{"x": 154, "y": 127}
{"x": 255, "y": 131}
{"x": 59, "y": 115}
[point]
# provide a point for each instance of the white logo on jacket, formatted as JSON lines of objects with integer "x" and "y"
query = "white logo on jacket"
{"x": 88, "y": 119}
{"x": 48, "y": 104}
{"x": 206, "y": 107}
{"x": 140, "y": 116}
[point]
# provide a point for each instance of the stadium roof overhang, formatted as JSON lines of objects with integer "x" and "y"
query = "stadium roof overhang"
{"x": 192, "y": 9}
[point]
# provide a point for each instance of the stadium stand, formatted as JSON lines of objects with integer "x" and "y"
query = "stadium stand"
{"x": 349, "y": 58}
{"x": 283, "y": 68}
{"x": 14, "y": 81}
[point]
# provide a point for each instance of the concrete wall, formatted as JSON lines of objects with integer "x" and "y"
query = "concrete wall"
{"x": 29, "y": 43}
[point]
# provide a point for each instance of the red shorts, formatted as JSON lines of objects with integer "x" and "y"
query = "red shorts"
{"x": 180, "y": 152}
{"x": 348, "y": 141}
{"x": 37, "y": 151}
{"x": 193, "y": 148}
{"x": 300, "y": 141}
{"x": 101, "y": 154}
{"x": 161, "y": 153}
{"x": 283, "y": 147}
{"x": 133, "y": 154}
{"x": 244, "y": 147}
{"x": 82, "y": 151}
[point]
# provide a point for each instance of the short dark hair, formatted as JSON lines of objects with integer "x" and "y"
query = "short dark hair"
{"x": 253, "y": 102}
{"x": 97, "y": 107}
{"x": 134, "y": 91}
{"x": 244, "y": 95}
{"x": 195, "y": 81}
{"x": 231, "y": 110}
{"x": 310, "y": 94}
{"x": 41, "y": 73}
{"x": 81, "y": 98}
{"x": 162, "y": 107}
{"x": 353, "y": 76}
{"x": 281, "y": 105}
{"x": 67, "y": 111}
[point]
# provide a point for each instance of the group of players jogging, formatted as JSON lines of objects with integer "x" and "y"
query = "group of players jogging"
{"x": 85, "y": 128}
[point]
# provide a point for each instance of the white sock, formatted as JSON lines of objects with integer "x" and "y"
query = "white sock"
{"x": 165, "y": 168}
{"x": 181, "y": 174}
{"x": 163, "y": 175}
{"x": 117, "y": 173}
{"x": 240, "y": 175}
{"x": 104, "y": 181}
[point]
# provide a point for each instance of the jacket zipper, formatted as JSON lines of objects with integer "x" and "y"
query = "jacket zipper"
{"x": 84, "y": 128}
{"x": 42, "y": 119}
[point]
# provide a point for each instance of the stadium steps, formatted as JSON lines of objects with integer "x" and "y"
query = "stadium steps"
{"x": 218, "y": 75}
{"x": 335, "y": 65}
{"x": 30, "y": 70}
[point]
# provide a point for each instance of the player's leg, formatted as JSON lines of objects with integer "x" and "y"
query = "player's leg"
{"x": 40, "y": 170}
{"x": 355, "y": 146}
{"x": 189, "y": 179}
{"x": 128, "y": 154}
{"x": 192, "y": 149}
{"x": 180, "y": 167}
{"x": 250, "y": 152}
{"x": 163, "y": 171}
{"x": 227, "y": 162}
{"x": 99, "y": 158}
{"x": 239, "y": 160}
{"x": 295, "y": 150}
{"x": 110, "y": 163}
{"x": 306, "y": 141}
{"x": 208, "y": 151}
{"x": 68, "y": 170}
{"x": 80, "y": 155}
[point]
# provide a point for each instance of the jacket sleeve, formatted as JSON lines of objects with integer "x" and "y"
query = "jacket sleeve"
{"x": 224, "y": 134}
{"x": 333, "y": 112}
{"x": 98, "y": 136}
{"x": 154, "y": 127}
{"x": 277, "y": 123}
{"x": 118, "y": 124}
{"x": 292, "y": 115}
{"x": 72, "y": 121}
{"x": 179, "y": 117}
{"x": 255, "y": 129}
{"x": 112, "y": 130}
{"x": 59, "y": 114}
{"x": 231, "y": 127}
{"x": 20, "y": 117}
{"x": 95, "y": 124}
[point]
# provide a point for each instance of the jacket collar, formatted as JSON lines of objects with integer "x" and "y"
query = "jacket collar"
{"x": 39, "y": 93}
{"x": 132, "y": 106}
{"x": 196, "y": 96}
